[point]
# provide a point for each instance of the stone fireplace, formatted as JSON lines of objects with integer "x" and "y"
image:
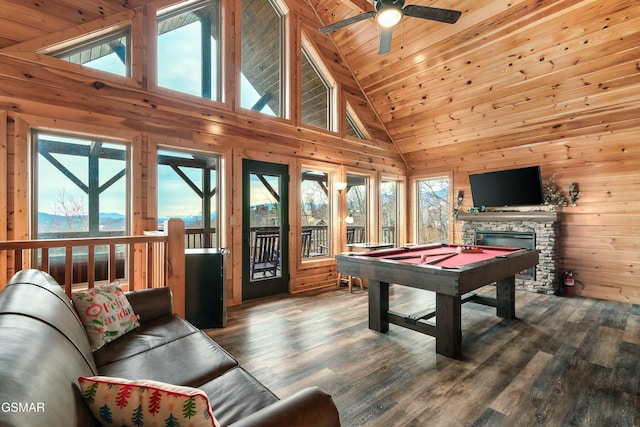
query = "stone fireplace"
{"x": 524, "y": 230}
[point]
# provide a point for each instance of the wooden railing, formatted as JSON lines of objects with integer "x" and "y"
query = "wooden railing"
{"x": 155, "y": 259}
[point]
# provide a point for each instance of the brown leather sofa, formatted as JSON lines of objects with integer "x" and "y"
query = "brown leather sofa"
{"x": 44, "y": 349}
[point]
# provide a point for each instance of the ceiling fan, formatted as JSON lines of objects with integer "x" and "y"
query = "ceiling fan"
{"x": 389, "y": 12}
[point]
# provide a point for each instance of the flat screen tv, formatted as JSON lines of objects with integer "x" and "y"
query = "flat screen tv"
{"x": 513, "y": 187}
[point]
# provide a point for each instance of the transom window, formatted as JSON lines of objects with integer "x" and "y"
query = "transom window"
{"x": 189, "y": 49}
{"x": 110, "y": 53}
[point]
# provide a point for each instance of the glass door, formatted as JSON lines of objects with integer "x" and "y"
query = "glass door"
{"x": 265, "y": 226}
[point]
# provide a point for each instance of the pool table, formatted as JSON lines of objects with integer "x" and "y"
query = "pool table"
{"x": 451, "y": 271}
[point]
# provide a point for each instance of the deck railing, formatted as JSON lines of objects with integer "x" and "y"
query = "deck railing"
{"x": 155, "y": 259}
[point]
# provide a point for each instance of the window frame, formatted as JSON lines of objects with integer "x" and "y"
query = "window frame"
{"x": 90, "y": 42}
{"x": 168, "y": 12}
{"x": 398, "y": 208}
{"x": 353, "y": 120}
{"x": 325, "y": 75}
{"x": 334, "y": 175}
{"x": 285, "y": 59}
{"x": 35, "y": 174}
{"x": 215, "y": 225}
{"x": 414, "y": 232}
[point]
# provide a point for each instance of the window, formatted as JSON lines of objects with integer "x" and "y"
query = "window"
{"x": 80, "y": 186}
{"x": 315, "y": 95}
{"x": 110, "y": 53}
{"x": 433, "y": 210}
{"x": 262, "y": 57}
{"x": 314, "y": 196}
{"x": 80, "y": 189}
{"x": 388, "y": 211}
{"x": 357, "y": 212}
{"x": 352, "y": 128}
{"x": 189, "y": 50}
{"x": 188, "y": 189}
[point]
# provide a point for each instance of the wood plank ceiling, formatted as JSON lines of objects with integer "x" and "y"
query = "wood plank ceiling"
{"x": 508, "y": 73}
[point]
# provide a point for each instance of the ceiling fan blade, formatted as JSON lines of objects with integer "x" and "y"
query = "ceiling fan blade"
{"x": 340, "y": 24}
{"x": 385, "y": 40}
{"x": 432, "y": 13}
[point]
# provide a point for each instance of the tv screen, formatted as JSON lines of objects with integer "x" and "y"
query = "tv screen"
{"x": 513, "y": 187}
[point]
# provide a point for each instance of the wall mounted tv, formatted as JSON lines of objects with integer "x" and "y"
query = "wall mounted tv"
{"x": 513, "y": 187}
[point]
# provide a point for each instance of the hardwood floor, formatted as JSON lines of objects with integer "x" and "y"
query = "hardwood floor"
{"x": 562, "y": 362}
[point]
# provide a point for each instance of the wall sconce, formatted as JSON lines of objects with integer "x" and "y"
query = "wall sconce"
{"x": 340, "y": 186}
{"x": 573, "y": 192}
{"x": 349, "y": 219}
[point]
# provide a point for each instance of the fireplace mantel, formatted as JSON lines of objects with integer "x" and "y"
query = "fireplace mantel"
{"x": 537, "y": 216}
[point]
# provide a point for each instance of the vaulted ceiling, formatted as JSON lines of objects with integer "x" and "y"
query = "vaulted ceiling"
{"x": 508, "y": 73}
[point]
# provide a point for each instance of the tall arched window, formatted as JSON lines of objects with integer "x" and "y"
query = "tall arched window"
{"x": 262, "y": 57}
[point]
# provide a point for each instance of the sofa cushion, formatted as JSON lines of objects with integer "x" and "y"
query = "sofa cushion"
{"x": 105, "y": 312}
{"x": 228, "y": 395}
{"x": 35, "y": 294}
{"x": 149, "y": 335}
{"x": 118, "y": 401}
{"x": 190, "y": 360}
{"x": 40, "y": 367}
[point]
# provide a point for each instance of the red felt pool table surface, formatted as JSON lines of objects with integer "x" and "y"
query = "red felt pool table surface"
{"x": 441, "y": 255}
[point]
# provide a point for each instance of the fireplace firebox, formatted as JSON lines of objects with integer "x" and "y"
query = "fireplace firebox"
{"x": 512, "y": 239}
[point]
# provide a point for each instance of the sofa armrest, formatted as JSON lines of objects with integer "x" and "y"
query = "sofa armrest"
{"x": 151, "y": 304}
{"x": 308, "y": 407}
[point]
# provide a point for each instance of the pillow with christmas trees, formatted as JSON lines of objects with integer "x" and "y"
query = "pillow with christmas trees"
{"x": 121, "y": 402}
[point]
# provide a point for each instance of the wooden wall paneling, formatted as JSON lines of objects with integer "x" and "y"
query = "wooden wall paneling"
{"x": 598, "y": 236}
{"x": 4, "y": 177}
{"x": 31, "y": 24}
{"x": 167, "y": 115}
{"x": 143, "y": 54}
{"x": 20, "y": 172}
{"x": 86, "y": 27}
{"x": 314, "y": 278}
{"x": 234, "y": 294}
{"x": 138, "y": 176}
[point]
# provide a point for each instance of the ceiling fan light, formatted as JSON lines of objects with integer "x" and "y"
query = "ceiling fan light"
{"x": 389, "y": 16}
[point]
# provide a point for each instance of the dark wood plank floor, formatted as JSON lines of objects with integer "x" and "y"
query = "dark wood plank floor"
{"x": 562, "y": 362}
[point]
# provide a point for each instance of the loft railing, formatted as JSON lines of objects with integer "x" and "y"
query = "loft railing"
{"x": 155, "y": 259}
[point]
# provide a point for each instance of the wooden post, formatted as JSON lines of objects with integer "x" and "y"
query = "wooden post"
{"x": 174, "y": 229}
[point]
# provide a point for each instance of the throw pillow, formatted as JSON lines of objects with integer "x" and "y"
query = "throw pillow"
{"x": 121, "y": 402}
{"x": 105, "y": 312}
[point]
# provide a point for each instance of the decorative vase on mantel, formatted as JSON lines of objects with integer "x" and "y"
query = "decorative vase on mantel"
{"x": 553, "y": 196}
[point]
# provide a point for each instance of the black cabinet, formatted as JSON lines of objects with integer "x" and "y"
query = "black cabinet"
{"x": 205, "y": 290}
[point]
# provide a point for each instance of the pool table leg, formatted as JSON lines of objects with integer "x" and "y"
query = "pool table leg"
{"x": 378, "y": 305}
{"x": 506, "y": 296}
{"x": 448, "y": 325}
